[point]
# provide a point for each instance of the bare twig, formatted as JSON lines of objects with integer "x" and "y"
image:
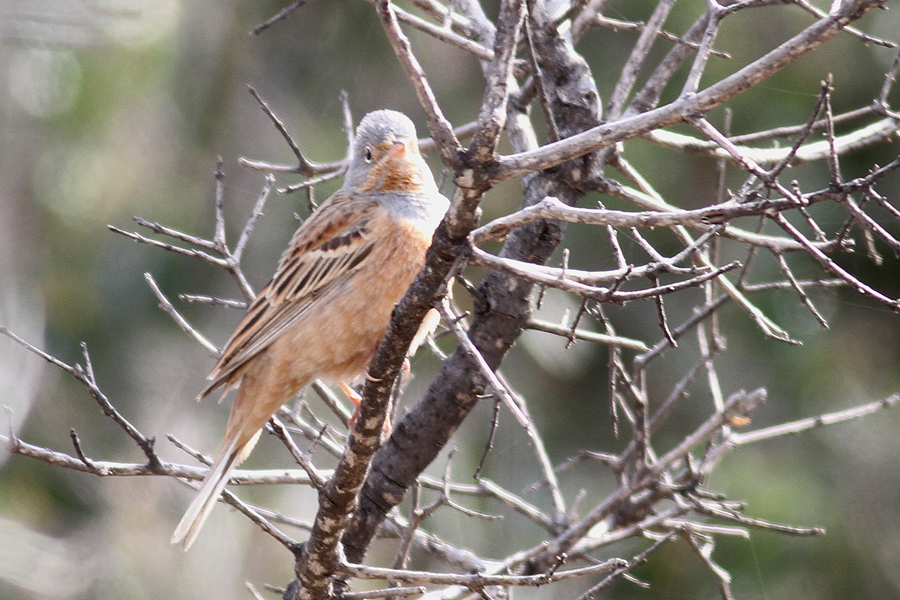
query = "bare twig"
{"x": 186, "y": 251}
{"x": 213, "y": 301}
{"x": 616, "y": 25}
{"x": 178, "y": 318}
{"x": 833, "y": 267}
{"x": 317, "y": 479}
{"x": 588, "y": 336}
{"x": 502, "y": 392}
{"x": 284, "y": 13}
{"x": 794, "y": 427}
{"x": 441, "y": 130}
{"x": 738, "y": 404}
{"x": 86, "y": 378}
{"x": 304, "y": 166}
{"x": 477, "y": 580}
{"x": 238, "y": 251}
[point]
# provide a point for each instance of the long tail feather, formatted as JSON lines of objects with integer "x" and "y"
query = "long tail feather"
{"x": 206, "y": 498}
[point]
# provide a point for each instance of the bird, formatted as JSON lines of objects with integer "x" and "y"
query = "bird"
{"x": 330, "y": 300}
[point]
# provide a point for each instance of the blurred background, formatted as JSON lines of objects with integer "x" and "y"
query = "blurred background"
{"x": 116, "y": 108}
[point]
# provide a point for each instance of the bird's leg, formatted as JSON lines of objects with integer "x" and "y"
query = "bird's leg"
{"x": 405, "y": 372}
{"x": 356, "y": 399}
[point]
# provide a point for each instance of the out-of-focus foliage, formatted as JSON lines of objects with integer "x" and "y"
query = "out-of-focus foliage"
{"x": 114, "y": 109}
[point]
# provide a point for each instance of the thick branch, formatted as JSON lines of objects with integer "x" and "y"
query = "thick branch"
{"x": 502, "y": 310}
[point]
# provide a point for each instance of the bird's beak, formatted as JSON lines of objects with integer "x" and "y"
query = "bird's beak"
{"x": 398, "y": 149}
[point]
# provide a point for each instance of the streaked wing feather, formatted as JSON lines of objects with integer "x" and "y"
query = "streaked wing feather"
{"x": 324, "y": 252}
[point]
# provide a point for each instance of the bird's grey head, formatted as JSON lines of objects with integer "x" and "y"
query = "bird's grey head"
{"x": 376, "y": 133}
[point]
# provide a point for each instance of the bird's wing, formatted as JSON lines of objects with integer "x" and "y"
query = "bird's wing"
{"x": 323, "y": 253}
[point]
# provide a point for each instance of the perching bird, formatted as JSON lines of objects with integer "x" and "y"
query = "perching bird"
{"x": 329, "y": 303}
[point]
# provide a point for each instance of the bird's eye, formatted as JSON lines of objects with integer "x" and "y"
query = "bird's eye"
{"x": 368, "y": 154}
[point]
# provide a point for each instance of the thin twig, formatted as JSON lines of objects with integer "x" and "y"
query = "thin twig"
{"x": 588, "y": 336}
{"x": 213, "y": 301}
{"x": 304, "y": 167}
{"x": 833, "y": 267}
{"x": 441, "y": 130}
{"x": 238, "y": 251}
{"x": 454, "y": 324}
{"x": 317, "y": 479}
{"x": 477, "y": 580}
{"x": 284, "y": 13}
{"x": 616, "y": 24}
{"x": 177, "y": 249}
{"x": 178, "y": 318}
{"x": 804, "y": 297}
{"x": 87, "y": 380}
{"x": 794, "y": 427}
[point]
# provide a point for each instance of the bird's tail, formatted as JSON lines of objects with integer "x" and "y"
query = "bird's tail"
{"x": 228, "y": 458}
